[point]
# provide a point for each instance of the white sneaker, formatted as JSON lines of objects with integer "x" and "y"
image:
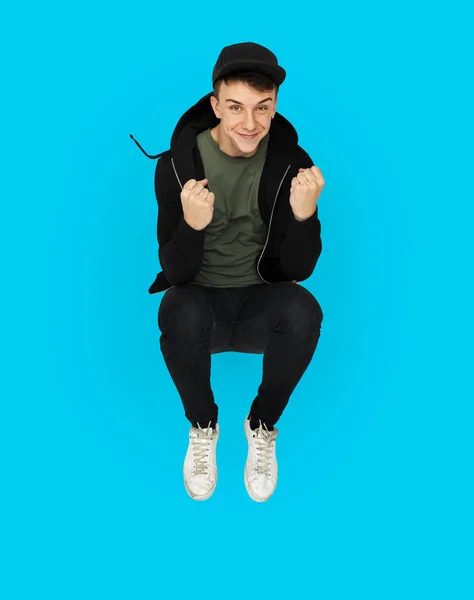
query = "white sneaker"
{"x": 200, "y": 468}
{"x": 261, "y": 468}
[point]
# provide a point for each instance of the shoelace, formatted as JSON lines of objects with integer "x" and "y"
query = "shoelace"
{"x": 264, "y": 441}
{"x": 201, "y": 448}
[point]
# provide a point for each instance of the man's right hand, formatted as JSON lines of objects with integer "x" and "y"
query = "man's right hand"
{"x": 198, "y": 204}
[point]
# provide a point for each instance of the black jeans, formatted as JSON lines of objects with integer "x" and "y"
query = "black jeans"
{"x": 282, "y": 321}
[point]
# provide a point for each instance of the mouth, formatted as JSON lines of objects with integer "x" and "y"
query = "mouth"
{"x": 248, "y": 137}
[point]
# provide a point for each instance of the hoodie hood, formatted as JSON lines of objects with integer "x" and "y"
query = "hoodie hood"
{"x": 201, "y": 116}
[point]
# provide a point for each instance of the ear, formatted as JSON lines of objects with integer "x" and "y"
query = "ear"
{"x": 214, "y": 104}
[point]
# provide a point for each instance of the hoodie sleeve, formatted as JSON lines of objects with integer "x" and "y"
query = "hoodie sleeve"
{"x": 180, "y": 246}
{"x": 302, "y": 245}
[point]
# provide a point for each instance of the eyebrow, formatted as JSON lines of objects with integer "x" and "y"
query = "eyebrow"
{"x": 237, "y": 102}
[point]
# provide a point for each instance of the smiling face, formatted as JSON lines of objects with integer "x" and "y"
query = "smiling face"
{"x": 242, "y": 111}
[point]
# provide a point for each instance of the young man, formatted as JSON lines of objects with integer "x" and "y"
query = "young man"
{"x": 238, "y": 228}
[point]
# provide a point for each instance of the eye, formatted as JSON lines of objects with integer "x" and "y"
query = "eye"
{"x": 265, "y": 108}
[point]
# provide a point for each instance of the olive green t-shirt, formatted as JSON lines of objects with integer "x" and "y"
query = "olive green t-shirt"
{"x": 236, "y": 235}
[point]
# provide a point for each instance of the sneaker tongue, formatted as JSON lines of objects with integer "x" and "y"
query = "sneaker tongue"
{"x": 203, "y": 431}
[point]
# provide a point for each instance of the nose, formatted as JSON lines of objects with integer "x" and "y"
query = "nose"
{"x": 249, "y": 123}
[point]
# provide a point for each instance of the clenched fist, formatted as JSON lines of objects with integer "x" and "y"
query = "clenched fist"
{"x": 198, "y": 204}
{"x": 306, "y": 188}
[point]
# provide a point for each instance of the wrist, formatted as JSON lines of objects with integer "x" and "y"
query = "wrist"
{"x": 302, "y": 218}
{"x": 190, "y": 224}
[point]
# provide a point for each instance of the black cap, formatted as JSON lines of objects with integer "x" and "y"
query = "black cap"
{"x": 248, "y": 56}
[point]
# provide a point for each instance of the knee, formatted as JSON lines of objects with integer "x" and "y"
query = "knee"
{"x": 185, "y": 313}
{"x": 300, "y": 312}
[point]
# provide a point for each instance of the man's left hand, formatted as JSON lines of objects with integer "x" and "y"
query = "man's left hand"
{"x": 306, "y": 188}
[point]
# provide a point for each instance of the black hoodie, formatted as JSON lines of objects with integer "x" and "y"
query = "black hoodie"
{"x": 292, "y": 247}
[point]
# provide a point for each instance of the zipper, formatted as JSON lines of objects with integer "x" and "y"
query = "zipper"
{"x": 269, "y": 227}
{"x": 176, "y": 173}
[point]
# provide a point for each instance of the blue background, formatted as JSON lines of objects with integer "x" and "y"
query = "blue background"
{"x": 374, "y": 498}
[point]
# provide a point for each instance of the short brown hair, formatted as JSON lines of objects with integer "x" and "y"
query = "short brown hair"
{"x": 257, "y": 81}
